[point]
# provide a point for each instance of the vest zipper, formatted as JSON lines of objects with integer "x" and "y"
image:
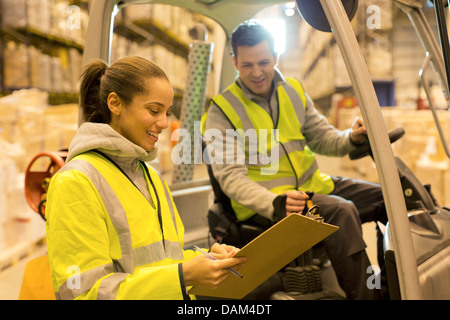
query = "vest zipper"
{"x": 282, "y": 145}
{"x": 292, "y": 166}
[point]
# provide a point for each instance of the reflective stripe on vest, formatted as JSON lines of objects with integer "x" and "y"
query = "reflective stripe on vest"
{"x": 99, "y": 172}
{"x": 297, "y": 167}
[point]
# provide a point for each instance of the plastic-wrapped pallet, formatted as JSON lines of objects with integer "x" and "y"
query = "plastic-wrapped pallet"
{"x": 57, "y": 75}
{"x": 74, "y": 69}
{"x": 38, "y": 15}
{"x": 161, "y": 15}
{"x": 8, "y": 173}
{"x": 379, "y": 60}
{"x": 3, "y": 203}
{"x": 138, "y": 12}
{"x": 21, "y": 115}
{"x": 61, "y": 124}
{"x": 35, "y": 67}
{"x": 15, "y": 64}
{"x": 45, "y": 72}
{"x": 340, "y": 77}
{"x": 119, "y": 48}
{"x": 446, "y": 199}
{"x": 58, "y": 18}
{"x": 160, "y": 57}
{"x": 419, "y": 126}
{"x": 84, "y": 20}
{"x": 14, "y": 13}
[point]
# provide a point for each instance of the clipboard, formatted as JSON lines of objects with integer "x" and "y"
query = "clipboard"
{"x": 268, "y": 253}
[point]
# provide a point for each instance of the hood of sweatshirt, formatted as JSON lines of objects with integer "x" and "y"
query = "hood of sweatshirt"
{"x": 104, "y": 138}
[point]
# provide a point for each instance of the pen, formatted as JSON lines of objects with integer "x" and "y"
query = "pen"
{"x": 212, "y": 258}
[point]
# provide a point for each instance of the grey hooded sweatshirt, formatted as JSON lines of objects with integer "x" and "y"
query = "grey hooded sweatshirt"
{"x": 123, "y": 152}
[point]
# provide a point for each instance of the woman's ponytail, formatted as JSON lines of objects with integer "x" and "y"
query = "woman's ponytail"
{"x": 93, "y": 107}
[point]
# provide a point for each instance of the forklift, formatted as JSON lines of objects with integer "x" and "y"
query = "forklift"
{"x": 417, "y": 236}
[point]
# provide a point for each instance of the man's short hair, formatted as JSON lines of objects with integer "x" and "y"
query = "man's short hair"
{"x": 250, "y": 33}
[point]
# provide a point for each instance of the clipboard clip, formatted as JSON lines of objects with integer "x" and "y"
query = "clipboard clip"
{"x": 313, "y": 213}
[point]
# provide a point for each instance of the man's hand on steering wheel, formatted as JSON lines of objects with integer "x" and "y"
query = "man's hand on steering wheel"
{"x": 359, "y": 131}
{"x": 363, "y": 148}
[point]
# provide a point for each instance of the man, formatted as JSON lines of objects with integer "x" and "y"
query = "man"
{"x": 261, "y": 99}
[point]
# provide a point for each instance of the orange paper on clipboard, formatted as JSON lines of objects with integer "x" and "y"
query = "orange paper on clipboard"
{"x": 268, "y": 253}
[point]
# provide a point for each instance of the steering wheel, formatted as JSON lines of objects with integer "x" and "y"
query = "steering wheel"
{"x": 36, "y": 181}
{"x": 364, "y": 149}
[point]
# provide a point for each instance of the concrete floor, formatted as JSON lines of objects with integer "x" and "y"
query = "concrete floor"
{"x": 11, "y": 277}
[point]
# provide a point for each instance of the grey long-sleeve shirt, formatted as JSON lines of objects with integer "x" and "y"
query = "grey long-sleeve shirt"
{"x": 321, "y": 137}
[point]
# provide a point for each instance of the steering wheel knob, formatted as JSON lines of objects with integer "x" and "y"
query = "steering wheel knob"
{"x": 364, "y": 149}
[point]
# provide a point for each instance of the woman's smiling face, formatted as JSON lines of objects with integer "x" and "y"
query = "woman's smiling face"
{"x": 146, "y": 116}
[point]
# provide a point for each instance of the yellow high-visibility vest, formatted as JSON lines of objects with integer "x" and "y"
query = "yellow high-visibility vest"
{"x": 296, "y": 167}
{"x": 111, "y": 242}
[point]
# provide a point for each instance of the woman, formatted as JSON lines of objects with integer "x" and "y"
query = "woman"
{"x": 113, "y": 231}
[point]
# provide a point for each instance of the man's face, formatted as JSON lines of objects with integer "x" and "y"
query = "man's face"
{"x": 256, "y": 67}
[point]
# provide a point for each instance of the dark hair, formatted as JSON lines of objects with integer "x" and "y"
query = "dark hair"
{"x": 126, "y": 77}
{"x": 250, "y": 33}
